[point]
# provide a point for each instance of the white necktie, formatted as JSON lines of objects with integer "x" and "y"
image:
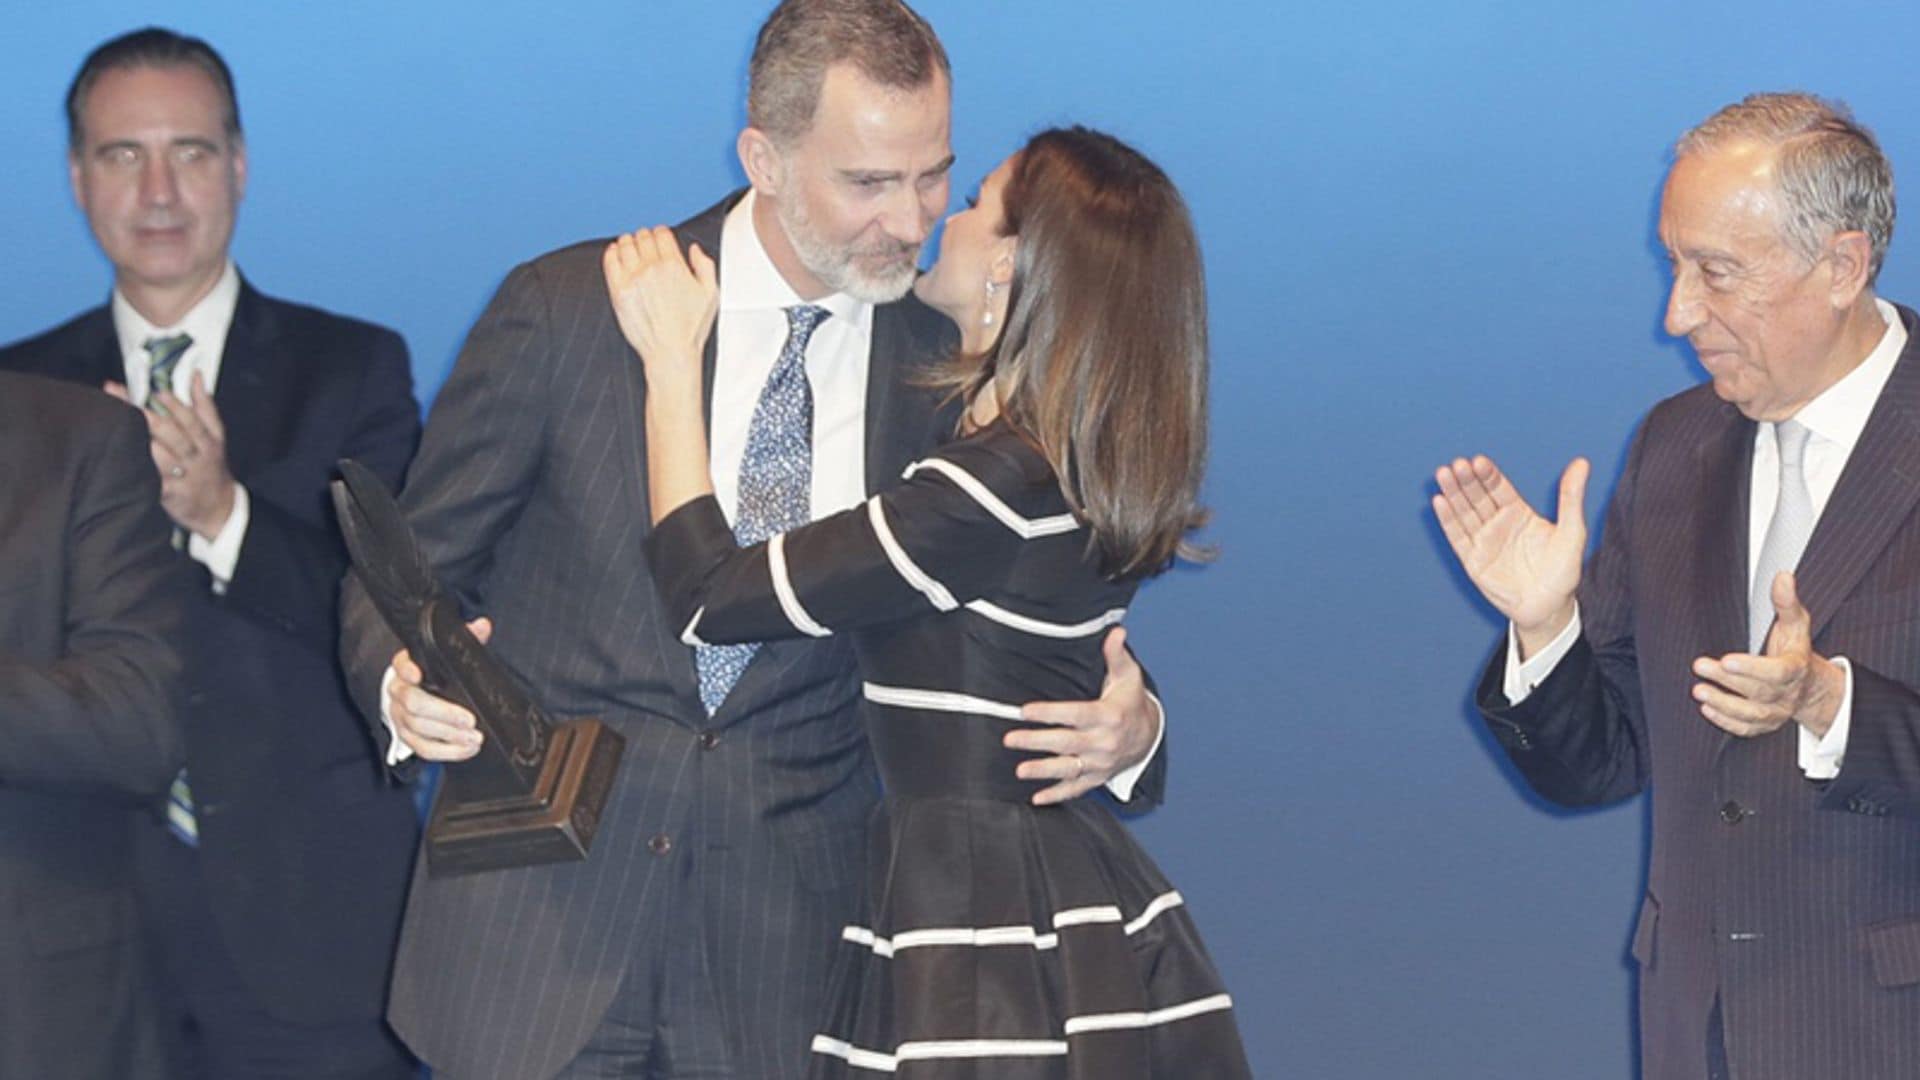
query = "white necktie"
{"x": 1787, "y": 533}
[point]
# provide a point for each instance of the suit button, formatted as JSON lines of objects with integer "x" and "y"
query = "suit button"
{"x": 709, "y": 740}
{"x": 1731, "y": 812}
{"x": 660, "y": 844}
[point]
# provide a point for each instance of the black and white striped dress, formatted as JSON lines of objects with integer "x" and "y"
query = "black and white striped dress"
{"x": 1000, "y": 939}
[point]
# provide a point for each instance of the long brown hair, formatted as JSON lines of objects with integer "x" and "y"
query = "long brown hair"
{"x": 1102, "y": 360}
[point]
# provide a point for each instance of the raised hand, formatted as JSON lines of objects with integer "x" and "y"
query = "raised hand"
{"x": 1747, "y": 695}
{"x": 665, "y": 306}
{"x": 1526, "y": 566}
{"x": 190, "y": 450}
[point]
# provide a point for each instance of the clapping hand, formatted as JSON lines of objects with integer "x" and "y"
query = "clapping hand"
{"x": 665, "y": 303}
{"x": 1526, "y": 566}
{"x": 190, "y": 450}
{"x": 1747, "y": 695}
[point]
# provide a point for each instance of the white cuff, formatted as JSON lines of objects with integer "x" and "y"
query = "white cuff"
{"x": 222, "y": 553}
{"x": 1522, "y": 677}
{"x": 1820, "y": 755}
{"x": 1121, "y": 784}
{"x": 397, "y": 750}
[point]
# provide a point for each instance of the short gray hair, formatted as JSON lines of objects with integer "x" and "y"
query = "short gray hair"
{"x": 886, "y": 40}
{"x": 1832, "y": 173}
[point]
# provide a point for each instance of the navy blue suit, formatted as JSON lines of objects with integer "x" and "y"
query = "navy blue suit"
{"x": 305, "y": 844}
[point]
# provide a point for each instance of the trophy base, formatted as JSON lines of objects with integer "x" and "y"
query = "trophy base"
{"x": 555, "y": 822}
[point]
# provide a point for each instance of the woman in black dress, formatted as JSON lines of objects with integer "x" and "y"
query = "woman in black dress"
{"x": 1001, "y": 939}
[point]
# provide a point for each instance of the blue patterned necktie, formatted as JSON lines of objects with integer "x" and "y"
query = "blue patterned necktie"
{"x": 165, "y": 354}
{"x": 1787, "y": 533}
{"x": 776, "y": 481}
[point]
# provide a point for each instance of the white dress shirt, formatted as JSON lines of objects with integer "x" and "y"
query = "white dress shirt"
{"x": 207, "y": 323}
{"x": 751, "y": 331}
{"x": 1834, "y": 420}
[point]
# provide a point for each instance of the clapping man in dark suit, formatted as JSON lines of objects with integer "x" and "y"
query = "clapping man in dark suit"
{"x": 1746, "y": 642}
{"x": 693, "y": 940}
{"x": 274, "y": 880}
{"x": 93, "y": 609}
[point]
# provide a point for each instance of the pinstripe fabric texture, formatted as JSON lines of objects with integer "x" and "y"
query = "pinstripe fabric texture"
{"x": 529, "y": 495}
{"x": 1796, "y": 901}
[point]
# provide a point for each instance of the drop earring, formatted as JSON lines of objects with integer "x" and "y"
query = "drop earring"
{"x": 986, "y": 317}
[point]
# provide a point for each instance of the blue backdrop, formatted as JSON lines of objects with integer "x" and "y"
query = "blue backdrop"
{"x": 1428, "y": 231}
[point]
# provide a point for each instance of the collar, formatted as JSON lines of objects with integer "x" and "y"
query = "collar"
{"x": 750, "y": 282}
{"x": 1840, "y": 413}
{"x": 206, "y": 322}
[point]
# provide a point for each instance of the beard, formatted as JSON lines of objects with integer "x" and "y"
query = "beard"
{"x": 878, "y": 272}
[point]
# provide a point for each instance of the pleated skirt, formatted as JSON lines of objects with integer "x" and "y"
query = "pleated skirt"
{"x": 1015, "y": 942}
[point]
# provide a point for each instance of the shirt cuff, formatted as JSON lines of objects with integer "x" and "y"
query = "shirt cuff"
{"x": 1820, "y": 754}
{"x": 1122, "y": 783}
{"x": 1522, "y": 677}
{"x": 397, "y": 749}
{"x": 222, "y": 553}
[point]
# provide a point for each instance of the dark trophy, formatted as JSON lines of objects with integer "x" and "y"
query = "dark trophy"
{"x": 534, "y": 792}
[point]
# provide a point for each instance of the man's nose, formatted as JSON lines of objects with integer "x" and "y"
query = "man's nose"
{"x": 1684, "y": 311}
{"x": 906, "y": 216}
{"x": 158, "y": 186}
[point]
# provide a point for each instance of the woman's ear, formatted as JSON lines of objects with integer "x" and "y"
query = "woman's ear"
{"x": 1000, "y": 267}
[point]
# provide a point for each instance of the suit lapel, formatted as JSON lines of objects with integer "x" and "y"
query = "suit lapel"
{"x": 253, "y": 384}
{"x": 96, "y": 358}
{"x": 890, "y": 349}
{"x": 1877, "y": 491}
{"x": 1726, "y": 471}
{"x": 704, "y": 229}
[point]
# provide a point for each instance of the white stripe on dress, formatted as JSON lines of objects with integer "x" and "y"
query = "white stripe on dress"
{"x": 914, "y": 939}
{"x": 1160, "y": 903}
{"x": 937, "y": 701}
{"x": 1041, "y": 628}
{"x": 783, "y": 589}
{"x": 1122, "y": 1021}
{"x": 687, "y": 636}
{"x": 880, "y": 1061}
{"x": 1028, "y": 528}
{"x": 991, "y": 936}
{"x": 903, "y": 564}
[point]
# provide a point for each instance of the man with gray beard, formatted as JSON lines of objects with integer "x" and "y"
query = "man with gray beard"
{"x": 695, "y": 938}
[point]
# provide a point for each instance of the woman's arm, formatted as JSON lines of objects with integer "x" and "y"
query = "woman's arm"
{"x": 665, "y": 305}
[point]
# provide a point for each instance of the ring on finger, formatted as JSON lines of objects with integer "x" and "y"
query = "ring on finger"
{"x": 1079, "y": 766}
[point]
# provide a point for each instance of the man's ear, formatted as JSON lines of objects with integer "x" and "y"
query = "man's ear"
{"x": 1850, "y": 254}
{"x": 74, "y": 178}
{"x": 238, "y": 157}
{"x": 762, "y": 161}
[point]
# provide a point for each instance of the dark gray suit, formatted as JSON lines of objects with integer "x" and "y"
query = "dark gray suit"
{"x": 92, "y": 605}
{"x": 1797, "y": 901}
{"x": 739, "y": 836}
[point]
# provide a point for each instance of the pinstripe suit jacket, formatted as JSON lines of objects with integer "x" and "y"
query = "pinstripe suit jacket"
{"x": 529, "y": 495}
{"x": 1797, "y": 901}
